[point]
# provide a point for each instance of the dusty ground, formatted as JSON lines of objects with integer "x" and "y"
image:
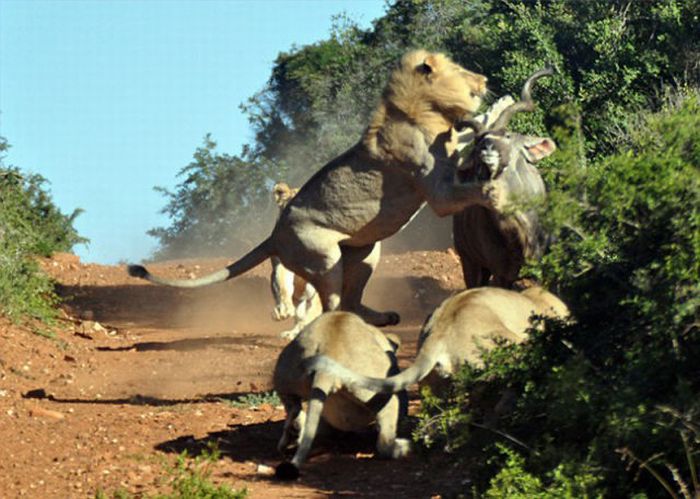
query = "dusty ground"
{"x": 138, "y": 373}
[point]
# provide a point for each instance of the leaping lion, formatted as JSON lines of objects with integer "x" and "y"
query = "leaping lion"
{"x": 328, "y": 233}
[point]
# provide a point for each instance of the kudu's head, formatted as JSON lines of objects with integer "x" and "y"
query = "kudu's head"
{"x": 495, "y": 148}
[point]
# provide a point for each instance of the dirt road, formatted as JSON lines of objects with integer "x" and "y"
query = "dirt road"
{"x": 138, "y": 373}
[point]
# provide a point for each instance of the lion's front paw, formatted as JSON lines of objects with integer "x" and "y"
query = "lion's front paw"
{"x": 290, "y": 334}
{"x": 282, "y": 312}
{"x": 496, "y": 195}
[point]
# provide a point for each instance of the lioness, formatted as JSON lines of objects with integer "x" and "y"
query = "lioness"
{"x": 292, "y": 294}
{"x": 458, "y": 331}
{"x": 327, "y": 232}
{"x": 346, "y": 338}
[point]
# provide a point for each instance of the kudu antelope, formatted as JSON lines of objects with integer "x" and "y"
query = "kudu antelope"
{"x": 490, "y": 242}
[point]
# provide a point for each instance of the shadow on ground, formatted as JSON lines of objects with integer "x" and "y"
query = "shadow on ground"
{"x": 191, "y": 344}
{"x": 232, "y": 305}
{"x": 336, "y": 458}
{"x": 228, "y": 398}
{"x": 244, "y": 303}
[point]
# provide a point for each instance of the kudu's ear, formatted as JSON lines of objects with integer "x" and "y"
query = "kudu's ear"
{"x": 539, "y": 148}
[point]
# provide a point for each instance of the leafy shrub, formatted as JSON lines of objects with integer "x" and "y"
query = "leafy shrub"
{"x": 626, "y": 258}
{"x": 514, "y": 482}
{"x": 191, "y": 479}
{"x": 30, "y": 226}
{"x": 254, "y": 400}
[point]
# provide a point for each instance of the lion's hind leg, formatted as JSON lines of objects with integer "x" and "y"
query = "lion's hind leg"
{"x": 282, "y": 286}
{"x": 314, "y": 255}
{"x": 387, "y": 419}
{"x": 358, "y": 265}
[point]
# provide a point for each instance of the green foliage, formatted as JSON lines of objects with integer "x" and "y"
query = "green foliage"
{"x": 190, "y": 478}
{"x": 513, "y": 481}
{"x": 30, "y": 226}
{"x": 687, "y": 486}
{"x": 253, "y": 400}
{"x": 221, "y": 205}
{"x": 612, "y": 58}
{"x": 626, "y": 258}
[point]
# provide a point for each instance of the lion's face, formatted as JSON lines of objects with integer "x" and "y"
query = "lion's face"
{"x": 458, "y": 91}
{"x": 433, "y": 79}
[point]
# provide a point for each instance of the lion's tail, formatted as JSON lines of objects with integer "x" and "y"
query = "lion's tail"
{"x": 419, "y": 370}
{"x": 252, "y": 259}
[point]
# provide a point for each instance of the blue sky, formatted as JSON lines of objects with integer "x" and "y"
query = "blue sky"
{"x": 107, "y": 99}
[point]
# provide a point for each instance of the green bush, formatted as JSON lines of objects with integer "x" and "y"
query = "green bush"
{"x": 626, "y": 258}
{"x": 30, "y": 226}
{"x": 514, "y": 482}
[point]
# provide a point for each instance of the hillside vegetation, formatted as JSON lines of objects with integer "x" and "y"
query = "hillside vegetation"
{"x": 31, "y": 225}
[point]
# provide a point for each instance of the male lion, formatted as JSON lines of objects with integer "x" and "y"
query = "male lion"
{"x": 457, "y": 332}
{"x": 346, "y": 338}
{"x": 293, "y": 295}
{"x": 328, "y": 232}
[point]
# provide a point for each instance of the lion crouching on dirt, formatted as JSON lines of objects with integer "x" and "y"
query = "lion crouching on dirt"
{"x": 457, "y": 332}
{"x": 345, "y": 338}
{"x": 328, "y": 232}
